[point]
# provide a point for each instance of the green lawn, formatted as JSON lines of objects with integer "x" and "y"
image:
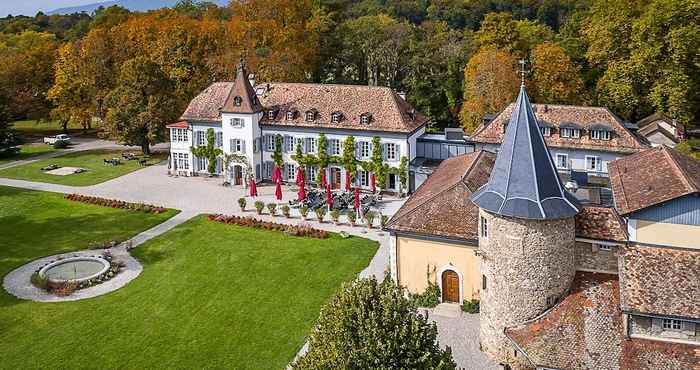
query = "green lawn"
{"x": 91, "y": 160}
{"x": 27, "y": 151}
{"x": 34, "y": 127}
{"x": 210, "y": 296}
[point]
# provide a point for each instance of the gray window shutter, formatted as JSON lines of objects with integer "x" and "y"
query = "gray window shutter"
{"x": 384, "y": 151}
{"x": 284, "y": 144}
{"x": 358, "y": 152}
{"x": 284, "y": 172}
{"x": 397, "y": 148}
{"x": 243, "y": 145}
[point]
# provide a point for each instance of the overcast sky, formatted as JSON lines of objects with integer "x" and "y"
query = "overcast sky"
{"x": 31, "y": 7}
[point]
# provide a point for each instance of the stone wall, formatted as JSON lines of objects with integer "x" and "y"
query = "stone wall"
{"x": 591, "y": 258}
{"x": 653, "y": 327}
{"x": 528, "y": 266}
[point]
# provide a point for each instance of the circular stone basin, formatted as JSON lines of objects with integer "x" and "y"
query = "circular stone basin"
{"x": 74, "y": 269}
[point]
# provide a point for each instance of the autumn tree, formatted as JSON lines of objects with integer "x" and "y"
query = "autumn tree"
{"x": 141, "y": 105}
{"x": 555, "y": 77}
{"x": 517, "y": 37}
{"x": 490, "y": 84}
{"x": 371, "y": 325}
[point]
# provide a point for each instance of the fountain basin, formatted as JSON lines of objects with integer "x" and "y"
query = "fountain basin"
{"x": 74, "y": 269}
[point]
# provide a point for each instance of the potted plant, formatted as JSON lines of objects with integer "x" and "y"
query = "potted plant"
{"x": 352, "y": 217}
{"x": 285, "y": 210}
{"x": 369, "y": 219}
{"x": 303, "y": 210}
{"x": 259, "y": 206}
{"x": 335, "y": 214}
{"x": 383, "y": 220}
{"x": 320, "y": 213}
{"x": 241, "y": 203}
{"x": 272, "y": 207}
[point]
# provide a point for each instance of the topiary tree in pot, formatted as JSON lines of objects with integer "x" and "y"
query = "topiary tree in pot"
{"x": 242, "y": 203}
{"x": 259, "y": 206}
{"x": 371, "y": 325}
{"x": 272, "y": 207}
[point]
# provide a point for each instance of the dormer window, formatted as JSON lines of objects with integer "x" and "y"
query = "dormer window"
{"x": 310, "y": 115}
{"x": 290, "y": 115}
{"x": 237, "y": 101}
{"x": 365, "y": 118}
{"x": 546, "y": 131}
{"x": 271, "y": 114}
{"x": 336, "y": 117}
{"x": 573, "y": 133}
{"x": 600, "y": 135}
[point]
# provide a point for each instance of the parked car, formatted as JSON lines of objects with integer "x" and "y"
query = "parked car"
{"x": 53, "y": 139}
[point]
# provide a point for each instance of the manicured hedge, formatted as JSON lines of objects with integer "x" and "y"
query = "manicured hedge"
{"x": 258, "y": 224}
{"x": 114, "y": 203}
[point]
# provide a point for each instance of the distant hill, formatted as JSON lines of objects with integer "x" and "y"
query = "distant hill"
{"x": 133, "y": 5}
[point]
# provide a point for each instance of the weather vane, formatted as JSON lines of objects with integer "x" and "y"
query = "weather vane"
{"x": 522, "y": 72}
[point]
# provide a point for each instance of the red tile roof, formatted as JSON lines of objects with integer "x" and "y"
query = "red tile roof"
{"x": 622, "y": 141}
{"x": 242, "y": 98}
{"x": 388, "y": 111}
{"x": 207, "y": 105}
{"x": 181, "y": 124}
{"x": 652, "y": 177}
{"x": 662, "y": 281}
{"x": 441, "y": 205}
{"x": 584, "y": 331}
{"x": 600, "y": 223}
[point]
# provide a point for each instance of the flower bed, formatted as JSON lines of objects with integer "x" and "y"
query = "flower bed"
{"x": 114, "y": 203}
{"x": 306, "y": 231}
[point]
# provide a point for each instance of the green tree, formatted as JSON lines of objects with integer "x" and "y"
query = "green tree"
{"x": 141, "y": 105}
{"x": 209, "y": 151}
{"x": 517, "y": 37}
{"x": 371, "y": 325}
{"x": 403, "y": 173}
{"x": 9, "y": 138}
{"x": 277, "y": 154}
{"x": 349, "y": 160}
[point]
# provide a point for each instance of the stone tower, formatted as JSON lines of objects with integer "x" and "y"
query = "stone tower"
{"x": 526, "y": 233}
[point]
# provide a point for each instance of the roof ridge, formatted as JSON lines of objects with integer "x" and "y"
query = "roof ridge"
{"x": 463, "y": 178}
{"x": 689, "y": 185}
{"x": 615, "y": 165}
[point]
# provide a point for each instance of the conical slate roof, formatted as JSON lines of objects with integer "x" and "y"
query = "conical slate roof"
{"x": 242, "y": 97}
{"x": 524, "y": 182}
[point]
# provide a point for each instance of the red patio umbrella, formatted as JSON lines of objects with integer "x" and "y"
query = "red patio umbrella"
{"x": 302, "y": 192}
{"x": 347, "y": 181}
{"x": 373, "y": 182}
{"x": 277, "y": 175}
{"x": 329, "y": 196}
{"x": 323, "y": 177}
{"x": 300, "y": 177}
{"x": 357, "y": 197}
{"x": 253, "y": 188}
{"x": 278, "y": 190}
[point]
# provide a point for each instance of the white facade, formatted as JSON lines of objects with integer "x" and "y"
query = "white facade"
{"x": 242, "y": 134}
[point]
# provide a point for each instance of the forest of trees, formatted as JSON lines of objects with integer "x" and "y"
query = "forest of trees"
{"x": 456, "y": 59}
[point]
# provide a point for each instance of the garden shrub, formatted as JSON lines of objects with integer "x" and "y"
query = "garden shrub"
{"x": 352, "y": 217}
{"x": 259, "y": 206}
{"x": 285, "y": 210}
{"x": 429, "y": 298}
{"x": 471, "y": 306}
{"x": 369, "y": 218}
{"x": 298, "y": 230}
{"x": 320, "y": 213}
{"x": 335, "y": 215}
{"x": 114, "y": 203}
{"x": 272, "y": 207}
{"x": 242, "y": 203}
{"x": 304, "y": 211}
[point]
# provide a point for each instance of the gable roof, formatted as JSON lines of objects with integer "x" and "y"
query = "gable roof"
{"x": 388, "y": 111}
{"x": 600, "y": 223}
{"x": 557, "y": 116}
{"x": 655, "y": 117}
{"x": 208, "y": 104}
{"x": 242, "y": 92}
{"x": 662, "y": 281}
{"x": 524, "y": 182}
{"x": 441, "y": 205}
{"x": 180, "y": 124}
{"x": 652, "y": 177}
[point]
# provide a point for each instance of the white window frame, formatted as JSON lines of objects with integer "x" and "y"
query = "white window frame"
{"x": 602, "y": 247}
{"x": 573, "y": 133}
{"x": 600, "y": 135}
{"x": 289, "y": 115}
{"x": 202, "y": 163}
{"x": 291, "y": 171}
{"x": 311, "y": 145}
{"x": 310, "y": 116}
{"x": 364, "y": 178}
{"x": 237, "y": 122}
{"x": 546, "y": 131}
{"x": 179, "y": 135}
{"x": 365, "y": 149}
{"x": 289, "y": 144}
{"x": 219, "y": 139}
{"x": 672, "y": 324}
{"x": 182, "y": 161}
{"x": 484, "y": 227}
{"x": 391, "y": 152}
{"x": 270, "y": 143}
{"x": 201, "y": 137}
{"x": 566, "y": 161}
{"x": 311, "y": 173}
{"x": 236, "y": 146}
{"x": 596, "y": 162}
{"x": 364, "y": 119}
{"x": 335, "y": 117}
{"x": 335, "y": 147}
{"x": 271, "y": 114}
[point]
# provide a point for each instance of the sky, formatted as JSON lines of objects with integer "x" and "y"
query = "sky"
{"x": 31, "y": 7}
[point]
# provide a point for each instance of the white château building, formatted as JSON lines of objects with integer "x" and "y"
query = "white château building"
{"x": 246, "y": 121}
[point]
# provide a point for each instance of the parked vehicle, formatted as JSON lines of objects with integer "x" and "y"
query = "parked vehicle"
{"x": 53, "y": 139}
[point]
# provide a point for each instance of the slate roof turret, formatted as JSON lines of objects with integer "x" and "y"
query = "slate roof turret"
{"x": 524, "y": 182}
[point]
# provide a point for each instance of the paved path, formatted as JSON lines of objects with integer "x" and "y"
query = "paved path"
{"x": 17, "y": 281}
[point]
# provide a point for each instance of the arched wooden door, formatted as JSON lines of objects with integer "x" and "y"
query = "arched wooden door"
{"x": 237, "y": 175}
{"x": 450, "y": 286}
